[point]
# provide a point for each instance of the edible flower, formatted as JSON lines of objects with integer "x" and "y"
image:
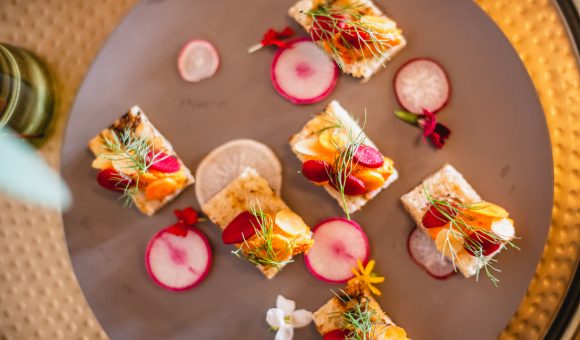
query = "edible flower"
{"x": 364, "y": 275}
{"x": 272, "y": 37}
{"x": 185, "y": 218}
{"x": 284, "y": 318}
{"x": 435, "y": 132}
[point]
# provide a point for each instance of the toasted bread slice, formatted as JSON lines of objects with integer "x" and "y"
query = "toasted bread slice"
{"x": 136, "y": 120}
{"x": 447, "y": 183}
{"x": 364, "y": 68}
{"x": 241, "y": 195}
{"x": 311, "y": 129}
{"x": 329, "y": 317}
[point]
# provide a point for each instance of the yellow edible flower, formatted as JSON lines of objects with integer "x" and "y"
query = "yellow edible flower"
{"x": 365, "y": 276}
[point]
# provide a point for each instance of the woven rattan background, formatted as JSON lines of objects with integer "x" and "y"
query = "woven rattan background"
{"x": 39, "y": 295}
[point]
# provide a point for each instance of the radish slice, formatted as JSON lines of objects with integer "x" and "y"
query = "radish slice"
{"x": 176, "y": 262}
{"x": 338, "y": 244}
{"x": 302, "y": 73}
{"x": 197, "y": 60}
{"x": 422, "y": 84}
{"x": 424, "y": 252}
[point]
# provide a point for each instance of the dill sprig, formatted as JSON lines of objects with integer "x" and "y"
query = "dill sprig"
{"x": 344, "y": 163}
{"x": 359, "y": 318}
{"x": 329, "y": 21}
{"x": 461, "y": 230}
{"x": 260, "y": 250}
{"x": 136, "y": 154}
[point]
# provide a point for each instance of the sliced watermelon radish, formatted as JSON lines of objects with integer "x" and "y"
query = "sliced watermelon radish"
{"x": 302, "y": 73}
{"x": 422, "y": 84}
{"x": 424, "y": 252}
{"x": 197, "y": 60}
{"x": 178, "y": 261}
{"x": 338, "y": 244}
{"x": 163, "y": 162}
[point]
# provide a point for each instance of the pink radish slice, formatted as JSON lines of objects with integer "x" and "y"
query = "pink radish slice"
{"x": 338, "y": 243}
{"x": 197, "y": 60}
{"x": 302, "y": 73}
{"x": 424, "y": 252}
{"x": 178, "y": 262}
{"x": 422, "y": 84}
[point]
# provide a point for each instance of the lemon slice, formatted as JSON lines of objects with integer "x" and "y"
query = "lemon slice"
{"x": 226, "y": 162}
{"x": 290, "y": 223}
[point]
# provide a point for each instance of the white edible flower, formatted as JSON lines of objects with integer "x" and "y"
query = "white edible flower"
{"x": 284, "y": 318}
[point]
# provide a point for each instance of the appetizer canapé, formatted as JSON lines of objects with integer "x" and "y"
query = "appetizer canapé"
{"x": 467, "y": 230}
{"x": 133, "y": 157}
{"x": 354, "y": 314}
{"x": 337, "y": 154}
{"x": 256, "y": 220}
{"x": 355, "y": 33}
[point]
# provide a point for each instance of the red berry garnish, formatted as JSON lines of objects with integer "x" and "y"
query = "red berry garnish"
{"x": 481, "y": 240}
{"x": 241, "y": 228}
{"x": 368, "y": 157}
{"x": 336, "y": 334}
{"x": 316, "y": 171}
{"x": 162, "y": 162}
{"x": 110, "y": 179}
{"x": 433, "y": 218}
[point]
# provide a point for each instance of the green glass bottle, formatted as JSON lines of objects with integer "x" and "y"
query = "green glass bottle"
{"x": 26, "y": 94}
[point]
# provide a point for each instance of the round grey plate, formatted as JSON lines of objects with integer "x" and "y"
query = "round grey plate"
{"x": 499, "y": 142}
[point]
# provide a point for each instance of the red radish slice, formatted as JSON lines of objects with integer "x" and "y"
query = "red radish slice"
{"x": 110, "y": 179}
{"x": 368, "y": 156}
{"x": 163, "y": 162}
{"x": 422, "y": 84}
{"x": 176, "y": 262}
{"x": 240, "y": 228}
{"x": 338, "y": 243}
{"x": 302, "y": 73}
{"x": 316, "y": 171}
{"x": 424, "y": 252}
{"x": 197, "y": 60}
